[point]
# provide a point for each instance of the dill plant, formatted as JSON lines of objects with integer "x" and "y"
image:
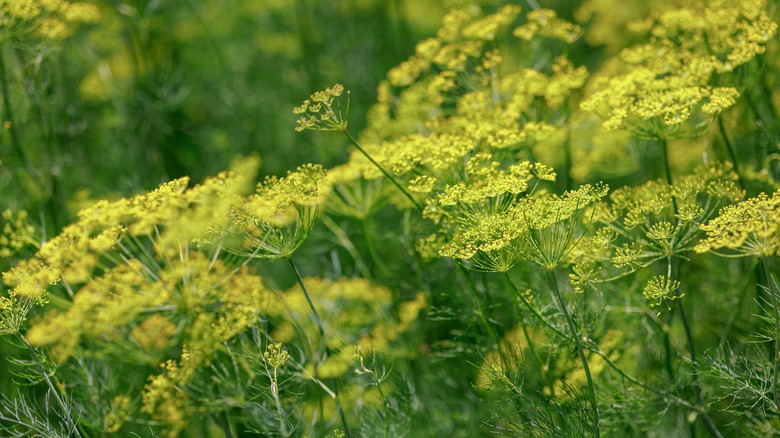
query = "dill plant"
{"x": 473, "y": 267}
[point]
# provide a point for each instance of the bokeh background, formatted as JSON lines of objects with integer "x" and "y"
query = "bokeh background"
{"x": 151, "y": 90}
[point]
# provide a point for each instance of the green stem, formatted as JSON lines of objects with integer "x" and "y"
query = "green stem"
{"x": 347, "y": 244}
{"x": 578, "y": 342}
{"x": 687, "y": 327}
{"x": 321, "y": 328}
{"x": 314, "y": 312}
{"x": 384, "y": 172}
{"x": 340, "y": 409}
{"x": 54, "y": 390}
{"x": 668, "y": 347}
{"x": 382, "y": 395}
{"x": 567, "y": 161}
{"x": 668, "y": 172}
{"x": 599, "y": 352}
{"x": 696, "y": 380}
{"x": 534, "y": 311}
{"x": 692, "y": 352}
{"x": 732, "y": 154}
{"x": 278, "y": 403}
{"x": 767, "y": 94}
{"x": 542, "y": 366}
{"x": 16, "y": 144}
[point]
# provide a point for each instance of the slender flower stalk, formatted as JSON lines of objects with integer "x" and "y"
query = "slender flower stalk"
{"x": 730, "y": 150}
{"x": 595, "y": 415}
{"x": 321, "y": 115}
{"x": 314, "y": 313}
{"x": 276, "y": 358}
{"x": 321, "y": 328}
{"x": 384, "y": 172}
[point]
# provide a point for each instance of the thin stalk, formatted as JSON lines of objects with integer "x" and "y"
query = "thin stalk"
{"x": 347, "y": 244}
{"x": 696, "y": 381}
{"x": 314, "y": 312}
{"x": 668, "y": 172}
{"x": 567, "y": 161}
{"x": 776, "y": 311}
{"x": 278, "y": 403}
{"x": 673, "y": 268}
{"x": 534, "y": 311}
{"x": 686, "y": 325}
{"x": 340, "y": 409}
{"x": 668, "y": 347}
{"x": 596, "y": 350}
{"x": 382, "y": 395}
{"x": 542, "y": 367}
{"x": 321, "y": 328}
{"x": 730, "y": 150}
{"x": 767, "y": 93}
{"x": 54, "y": 390}
{"x": 384, "y": 172}
{"x": 760, "y": 147}
{"x": 16, "y": 144}
{"x": 578, "y": 342}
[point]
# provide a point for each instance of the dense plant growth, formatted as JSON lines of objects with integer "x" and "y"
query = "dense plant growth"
{"x": 554, "y": 220}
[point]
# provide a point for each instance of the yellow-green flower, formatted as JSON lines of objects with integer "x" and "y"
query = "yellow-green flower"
{"x": 750, "y": 228}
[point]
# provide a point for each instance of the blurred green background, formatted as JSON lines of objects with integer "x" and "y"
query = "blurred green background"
{"x": 157, "y": 89}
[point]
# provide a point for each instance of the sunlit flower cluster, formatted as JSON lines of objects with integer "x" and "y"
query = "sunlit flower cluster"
{"x": 51, "y": 20}
{"x": 669, "y": 88}
{"x": 750, "y": 228}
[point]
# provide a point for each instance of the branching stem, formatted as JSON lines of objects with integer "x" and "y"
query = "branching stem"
{"x": 732, "y": 154}
{"x": 578, "y": 342}
{"x": 314, "y": 312}
{"x": 321, "y": 328}
{"x": 384, "y": 172}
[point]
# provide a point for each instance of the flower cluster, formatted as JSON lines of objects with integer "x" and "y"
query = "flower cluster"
{"x": 357, "y": 313}
{"x": 17, "y": 233}
{"x": 320, "y": 113}
{"x": 750, "y": 228}
{"x": 277, "y": 218}
{"x": 492, "y": 227}
{"x": 669, "y": 81}
{"x": 51, "y": 20}
{"x": 652, "y": 222}
{"x": 457, "y": 68}
{"x": 545, "y": 23}
{"x": 131, "y": 270}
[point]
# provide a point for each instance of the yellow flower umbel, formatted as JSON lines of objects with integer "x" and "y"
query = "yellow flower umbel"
{"x": 465, "y": 99}
{"x": 649, "y": 223}
{"x": 273, "y": 222}
{"x": 670, "y": 87}
{"x": 355, "y": 312}
{"x": 489, "y": 222}
{"x": 131, "y": 280}
{"x": 545, "y": 23}
{"x": 48, "y": 20}
{"x": 750, "y": 228}
{"x": 17, "y": 233}
{"x": 319, "y": 111}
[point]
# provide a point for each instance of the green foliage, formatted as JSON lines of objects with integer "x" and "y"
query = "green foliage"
{"x": 550, "y": 221}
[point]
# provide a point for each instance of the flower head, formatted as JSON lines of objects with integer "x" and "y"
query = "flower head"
{"x": 322, "y": 111}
